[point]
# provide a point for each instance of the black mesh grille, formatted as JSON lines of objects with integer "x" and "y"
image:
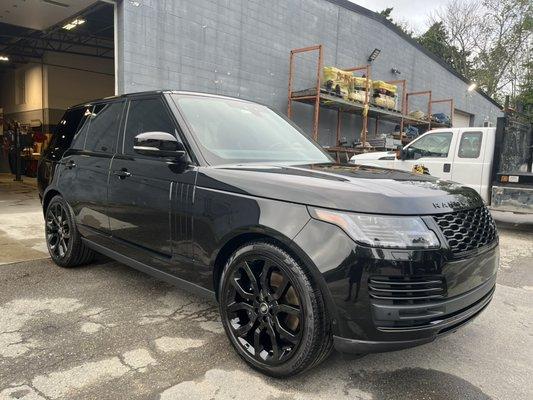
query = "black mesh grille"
{"x": 467, "y": 230}
{"x": 407, "y": 289}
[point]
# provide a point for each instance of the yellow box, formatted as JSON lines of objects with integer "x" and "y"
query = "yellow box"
{"x": 385, "y": 86}
{"x": 357, "y": 95}
{"x": 384, "y": 101}
{"x": 361, "y": 83}
{"x": 337, "y": 80}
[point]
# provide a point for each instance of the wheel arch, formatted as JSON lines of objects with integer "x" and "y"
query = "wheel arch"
{"x": 49, "y": 195}
{"x": 286, "y": 244}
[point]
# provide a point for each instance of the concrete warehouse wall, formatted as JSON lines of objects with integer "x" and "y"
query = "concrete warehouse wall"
{"x": 54, "y": 85}
{"x": 241, "y": 48}
{"x": 74, "y": 79}
{"x": 21, "y": 92}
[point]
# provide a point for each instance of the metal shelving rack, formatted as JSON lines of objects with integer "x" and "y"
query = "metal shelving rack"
{"x": 451, "y": 110}
{"x": 320, "y": 98}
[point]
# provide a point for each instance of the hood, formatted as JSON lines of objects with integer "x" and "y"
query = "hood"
{"x": 355, "y": 188}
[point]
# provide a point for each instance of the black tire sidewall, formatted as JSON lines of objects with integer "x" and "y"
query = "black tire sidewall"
{"x": 297, "y": 276}
{"x": 67, "y": 259}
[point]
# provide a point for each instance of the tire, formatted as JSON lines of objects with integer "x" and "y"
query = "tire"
{"x": 272, "y": 311}
{"x": 62, "y": 237}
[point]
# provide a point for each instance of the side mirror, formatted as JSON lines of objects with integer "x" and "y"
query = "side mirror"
{"x": 158, "y": 144}
{"x": 401, "y": 154}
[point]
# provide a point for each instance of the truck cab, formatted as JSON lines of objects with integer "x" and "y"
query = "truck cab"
{"x": 462, "y": 155}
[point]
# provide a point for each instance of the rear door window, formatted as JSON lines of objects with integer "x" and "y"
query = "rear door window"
{"x": 65, "y": 131}
{"x": 146, "y": 115}
{"x": 103, "y": 127}
{"x": 470, "y": 145}
{"x": 78, "y": 142}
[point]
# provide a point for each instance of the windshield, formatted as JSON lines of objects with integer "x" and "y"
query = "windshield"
{"x": 235, "y": 131}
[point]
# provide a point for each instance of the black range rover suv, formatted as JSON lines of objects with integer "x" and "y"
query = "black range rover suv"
{"x": 228, "y": 197}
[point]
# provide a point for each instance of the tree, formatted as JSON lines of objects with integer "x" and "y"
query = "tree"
{"x": 487, "y": 41}
{"x": 524, "y": 99}
{"x": 504, "y": 39}
{"x": 462, "y": 21}
{"x": 437, "y": 41}
{"x": 402, "y": 25}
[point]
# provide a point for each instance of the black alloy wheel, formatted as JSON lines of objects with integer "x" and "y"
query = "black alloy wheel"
{"x": 62, "y": 237}
{"x": 270, "y": 313}
{"x": 57, "y": 230}
{"x": 264, "y": 310}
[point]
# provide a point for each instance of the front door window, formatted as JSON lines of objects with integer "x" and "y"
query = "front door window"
{"x": 432, "y": 145}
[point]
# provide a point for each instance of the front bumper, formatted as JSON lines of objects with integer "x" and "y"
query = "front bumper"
{"x": 472, "y": 305}
{"x": 364, "y": 322}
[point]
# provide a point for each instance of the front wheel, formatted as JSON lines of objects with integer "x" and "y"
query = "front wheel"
{"x": 62, "y": 237}
{"x": 272, "y": 312}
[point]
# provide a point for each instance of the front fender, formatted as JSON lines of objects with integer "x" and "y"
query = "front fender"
{"x": 221, "y": 216}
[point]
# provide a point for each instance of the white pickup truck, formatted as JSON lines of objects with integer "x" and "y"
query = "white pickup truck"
{"x": 496, "y": 162}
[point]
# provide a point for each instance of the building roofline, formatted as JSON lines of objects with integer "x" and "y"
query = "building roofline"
{"x": 379, "y": 18}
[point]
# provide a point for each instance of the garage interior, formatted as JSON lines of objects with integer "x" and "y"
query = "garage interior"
{"x": 53, "y": 54}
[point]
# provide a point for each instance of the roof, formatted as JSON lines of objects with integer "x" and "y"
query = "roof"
{"x": 377, "y": 17}
{"x": 156, "y": 92}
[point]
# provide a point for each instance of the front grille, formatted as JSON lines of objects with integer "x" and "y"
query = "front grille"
{"x": 467, "y": 230}
{"x": 407, "y": 289}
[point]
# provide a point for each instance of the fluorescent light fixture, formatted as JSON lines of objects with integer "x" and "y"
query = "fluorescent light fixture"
{"x": 374, "y": 55}
{"x": 73, "y": 24}
{"x": 4, "y": 58}
{"x": 472, "y": 87}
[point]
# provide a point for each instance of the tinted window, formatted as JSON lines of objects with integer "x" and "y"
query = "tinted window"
{"x": 65, "y": 132}
{"x": 470, "y": 145}
{"x": 232, "y": 130}
{"x": 146, "y": 115}
{"x": 78, "y": 142}
{"x": 103, "y": 127}
{"x": 432, "y": 145}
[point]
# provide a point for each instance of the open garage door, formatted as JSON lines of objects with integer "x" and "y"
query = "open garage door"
{"x": 53, "y": 54}
{"x": 461, "y": 119}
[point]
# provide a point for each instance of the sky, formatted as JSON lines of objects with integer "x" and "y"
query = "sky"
{"x": 415, "y": 12}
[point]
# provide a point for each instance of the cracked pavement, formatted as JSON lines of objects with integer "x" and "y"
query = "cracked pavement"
{"x": 107, "y": 331}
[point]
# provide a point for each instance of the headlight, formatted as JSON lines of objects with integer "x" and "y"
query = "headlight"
{"x": 381, "y": 230}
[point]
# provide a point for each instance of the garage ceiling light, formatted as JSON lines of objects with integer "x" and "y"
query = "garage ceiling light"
{"x": 73, "y": 24}
{"x": 4, "y": 58}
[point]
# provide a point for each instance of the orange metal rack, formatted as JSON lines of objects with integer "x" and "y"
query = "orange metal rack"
{"x": 319, "y": 98}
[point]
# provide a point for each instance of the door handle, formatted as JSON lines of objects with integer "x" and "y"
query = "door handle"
{"x": 447, "y": 167}
{"x": 122, "y": 173}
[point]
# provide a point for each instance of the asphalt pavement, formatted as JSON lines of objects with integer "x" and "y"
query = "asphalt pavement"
{"x": 105, "y": 331}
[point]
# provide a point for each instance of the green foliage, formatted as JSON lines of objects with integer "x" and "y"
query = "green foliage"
{"x": 437, "y": 41}
{"x": 487, "y": 41}
{"x": 387, "y": 13}
{"x": 524, "y": 99}
{"x": 403, "y": 26}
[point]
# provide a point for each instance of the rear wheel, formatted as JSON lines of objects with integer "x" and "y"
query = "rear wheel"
{"x": 62, "y": 237}
{"x": 272, "y": 312}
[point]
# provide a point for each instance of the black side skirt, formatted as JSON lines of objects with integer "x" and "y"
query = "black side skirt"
{"x": 157, "y": 273}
